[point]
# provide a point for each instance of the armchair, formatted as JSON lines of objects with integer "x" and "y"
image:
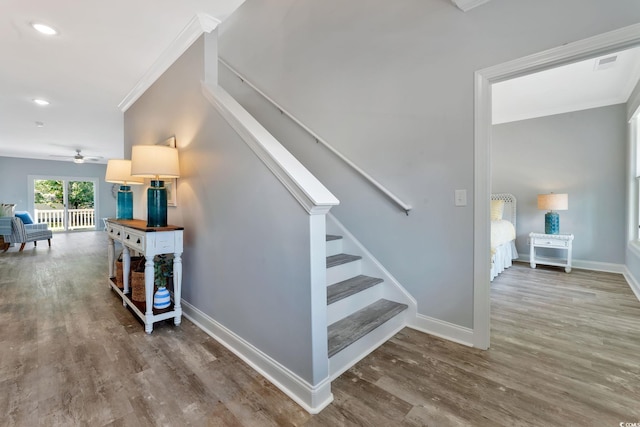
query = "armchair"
{"x": 15, "y": 231}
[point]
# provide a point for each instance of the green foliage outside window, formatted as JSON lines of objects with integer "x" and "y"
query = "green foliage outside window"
{"x": 50, "y": 192}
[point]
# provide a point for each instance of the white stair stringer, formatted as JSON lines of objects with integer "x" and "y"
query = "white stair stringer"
{"x": 389, "y": 289}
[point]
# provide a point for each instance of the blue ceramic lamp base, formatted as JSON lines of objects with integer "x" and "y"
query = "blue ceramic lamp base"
{"x": 124, "y": 209}
{"x": 157, "y": 204}
{"x": 552, "y": 223}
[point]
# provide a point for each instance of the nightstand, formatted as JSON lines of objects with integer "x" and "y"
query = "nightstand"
{"x": 554, "y": 241}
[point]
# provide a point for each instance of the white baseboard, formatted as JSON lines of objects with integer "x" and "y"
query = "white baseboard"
{"x": 606, "y": 267}
{"x": 312, "y": 398}
{"x": 633, "y": 283}
{"x": 442, "y": 329}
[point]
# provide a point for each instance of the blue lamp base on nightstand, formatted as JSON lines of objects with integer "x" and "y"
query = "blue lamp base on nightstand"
{"x": 552, "y": 223}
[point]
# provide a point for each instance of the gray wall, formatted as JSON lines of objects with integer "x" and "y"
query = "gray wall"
{"x": 14, "y": 185}
{"x": 246, "y": 257}
{"x": 391, "y": 86}
{"x": 581, "y": 153}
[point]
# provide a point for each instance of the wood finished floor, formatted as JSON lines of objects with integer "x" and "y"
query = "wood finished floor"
{"x": 565, "y": 351}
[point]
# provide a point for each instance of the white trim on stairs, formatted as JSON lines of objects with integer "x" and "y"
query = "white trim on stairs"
{"x": 404, "y": 206}
{"x": 312, "y": 398}
{"x": 199, "y": 24}
{"x": 400, "y": 294}
{"x": 310, "y": 193}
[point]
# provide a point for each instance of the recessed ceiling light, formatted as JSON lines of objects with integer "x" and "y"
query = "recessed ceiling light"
{"x": 40, "y": 101}
{"x": 44, "y": 29}
{"x": 39, "y": 124}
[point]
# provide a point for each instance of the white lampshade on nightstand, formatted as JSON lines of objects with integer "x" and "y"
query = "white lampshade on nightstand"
{"x": 155, "y": 162}
{"x": 553, "y": 202}
{"x": 119, "y": 172}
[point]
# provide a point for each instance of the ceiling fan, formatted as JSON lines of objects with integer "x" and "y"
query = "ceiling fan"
{"x": 79, "y": 158}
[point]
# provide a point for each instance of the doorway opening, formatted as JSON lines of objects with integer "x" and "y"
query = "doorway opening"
{"x": 600, "y": 45}
{"x": 64, "y": 203}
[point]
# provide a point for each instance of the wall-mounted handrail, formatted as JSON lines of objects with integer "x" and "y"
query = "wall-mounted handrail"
{"x": 404, "y": 206}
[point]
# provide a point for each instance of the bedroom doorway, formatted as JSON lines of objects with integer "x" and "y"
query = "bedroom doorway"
{"x": 484, "y": 79}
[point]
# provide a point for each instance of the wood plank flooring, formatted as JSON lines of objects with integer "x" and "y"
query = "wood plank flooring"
{"x": 565, "y": 352}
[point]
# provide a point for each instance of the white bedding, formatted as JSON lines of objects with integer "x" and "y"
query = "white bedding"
{"x": 502, "y": 231}
{"x": 503, "y": 246}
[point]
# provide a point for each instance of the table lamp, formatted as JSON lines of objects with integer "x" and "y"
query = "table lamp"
{"x": 155, "y": 162}
{"x": 553, "y": 202}
{"x": 119, "y": 172}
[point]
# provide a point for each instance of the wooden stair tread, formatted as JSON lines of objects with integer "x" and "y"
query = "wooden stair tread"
{"x": 349, "y": 287}
{"x": 339, "y": 259}
{"x": 346, "y": 331}
{"x": 330, "y": 237}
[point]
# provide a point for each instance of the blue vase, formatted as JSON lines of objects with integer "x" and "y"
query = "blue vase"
{"x": 125, "y": 203}
{"x": 552, "y": 223}
{"x": 162, "y": 298}
{"x": 157, "y": 204}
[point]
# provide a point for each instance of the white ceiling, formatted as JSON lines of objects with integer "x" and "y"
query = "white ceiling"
{"x": 574, "y": 87}
{"x": 102, "y": 50}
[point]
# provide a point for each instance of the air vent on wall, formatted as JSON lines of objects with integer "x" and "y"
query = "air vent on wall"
{"x": 604, "y": 63}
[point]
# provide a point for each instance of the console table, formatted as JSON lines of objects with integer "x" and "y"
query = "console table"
{"x": 149, "y": 241}
{"x": 555, "y": 241}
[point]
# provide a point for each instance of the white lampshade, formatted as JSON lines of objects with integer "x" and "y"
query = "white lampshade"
{"x": 119, "y": 172}
{"x": 155, "y": 161}
{"x": 553, "y": 202}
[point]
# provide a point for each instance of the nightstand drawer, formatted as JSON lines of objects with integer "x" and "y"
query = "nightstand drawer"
{"x": 550, "y": 243}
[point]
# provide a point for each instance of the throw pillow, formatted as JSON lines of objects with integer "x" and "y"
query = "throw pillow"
{"x": 7, "y": 209}
{"x": 497, "y": 208}
{"x": 25, "y": 217}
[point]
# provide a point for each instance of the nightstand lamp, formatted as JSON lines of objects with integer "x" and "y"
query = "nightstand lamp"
{"x": 119, "y": 172}
{"x": 552, "y": 203}
{"x": 155, "y": 162}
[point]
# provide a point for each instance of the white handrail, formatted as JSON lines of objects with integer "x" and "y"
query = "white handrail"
{"x": 405, "y": 207}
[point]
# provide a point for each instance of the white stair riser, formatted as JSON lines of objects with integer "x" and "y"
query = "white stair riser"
{"x": 343, "y": 272}
{"x": 347, "y": 306}
{"x": 334, "y": 247}
{"x": 351, "y": 355}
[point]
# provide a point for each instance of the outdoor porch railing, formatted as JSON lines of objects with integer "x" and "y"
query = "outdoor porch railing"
{"x": 77, "y": 218}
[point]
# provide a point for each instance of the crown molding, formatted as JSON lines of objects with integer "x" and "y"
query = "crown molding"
{"x": 467, "y": 5}
{"x": 199, "y": 24}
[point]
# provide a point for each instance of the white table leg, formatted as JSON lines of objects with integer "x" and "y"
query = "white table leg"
{"x": 111, "y": 251}
{"x": 148, "y": 290}
{"x": 532, "y": 255}
{"x": 177, "y": 287}
{"x": 126, "y": 268}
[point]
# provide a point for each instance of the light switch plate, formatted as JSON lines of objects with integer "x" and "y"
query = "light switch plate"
{"x": 461, "y": 197}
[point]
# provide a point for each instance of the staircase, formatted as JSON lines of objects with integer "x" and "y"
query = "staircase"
{"x": 363, "y": 309}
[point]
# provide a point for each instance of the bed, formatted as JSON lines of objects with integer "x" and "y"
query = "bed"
{"x": 503, "y": 232}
